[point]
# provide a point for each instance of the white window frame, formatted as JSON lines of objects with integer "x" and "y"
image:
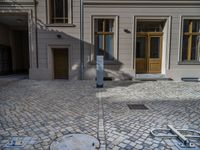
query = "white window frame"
{"x": 116, "y": 33}
{"x": 69, "y": 14}
{"x": 182, "y": 18}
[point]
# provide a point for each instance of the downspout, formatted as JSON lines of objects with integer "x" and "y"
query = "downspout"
{"x": 81, "y": 40}
{"x": 36, "y": 33}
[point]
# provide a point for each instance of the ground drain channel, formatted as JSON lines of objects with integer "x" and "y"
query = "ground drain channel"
{"x": 137, "y": 106}
{"x": 75, "y": 142}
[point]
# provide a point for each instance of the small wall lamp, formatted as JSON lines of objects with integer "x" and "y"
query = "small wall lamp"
{"x": 59, "y": 36}
{"x": 127, "y": 31}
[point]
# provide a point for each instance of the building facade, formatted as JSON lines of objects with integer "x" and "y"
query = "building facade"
{"x": 138, "y": 39}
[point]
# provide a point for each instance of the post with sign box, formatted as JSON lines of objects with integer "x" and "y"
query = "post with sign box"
{"x": 99, "y": 71}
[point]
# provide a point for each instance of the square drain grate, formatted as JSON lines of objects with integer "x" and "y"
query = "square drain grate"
{"x": 137, "y": 106}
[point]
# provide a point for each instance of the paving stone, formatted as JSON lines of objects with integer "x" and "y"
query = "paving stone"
{"x": 122, "y": 145}
{"x": 116, "y": 148}
{"x": 138, "y": 146}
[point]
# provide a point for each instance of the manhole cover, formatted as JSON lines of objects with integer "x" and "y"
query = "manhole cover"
{"x": 75, "y": 142}
{"x": 137, "y": 106}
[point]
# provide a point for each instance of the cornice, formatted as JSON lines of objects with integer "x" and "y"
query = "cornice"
{"x": 17, "y": 3}
{"x": 141, "y": 2}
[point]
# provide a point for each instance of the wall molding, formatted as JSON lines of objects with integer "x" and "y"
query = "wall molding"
{"x": 16, "y": 3}
{"x": 141, "y": 2}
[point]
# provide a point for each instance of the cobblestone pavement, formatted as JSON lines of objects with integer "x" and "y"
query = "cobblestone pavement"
{"x": 46, "y": 110}
{"x": 172, "y": 103}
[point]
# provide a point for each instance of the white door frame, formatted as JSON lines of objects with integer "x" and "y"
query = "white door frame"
{"x": 166, "y": 46}
{"x": 51, "y": 59}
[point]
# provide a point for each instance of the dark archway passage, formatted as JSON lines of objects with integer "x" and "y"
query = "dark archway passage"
{"x": 14, "y": 44}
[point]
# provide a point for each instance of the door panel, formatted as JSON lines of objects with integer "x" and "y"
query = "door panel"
{"x": 149, "y": 53}
{"x": 61, "y": 63}
{"x": 155, "y": 54}
{"x": 141, "y": 59}
{"x": 155, "y": 47}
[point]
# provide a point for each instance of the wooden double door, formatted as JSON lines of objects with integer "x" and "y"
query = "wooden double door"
{"x": 149, "y": 52}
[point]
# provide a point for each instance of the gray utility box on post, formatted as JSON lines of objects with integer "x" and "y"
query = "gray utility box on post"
{"x": 99, "y": 71}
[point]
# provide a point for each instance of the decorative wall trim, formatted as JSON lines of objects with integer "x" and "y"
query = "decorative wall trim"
{"x": 141, "y": 2}
{"x": 16, "y": 3}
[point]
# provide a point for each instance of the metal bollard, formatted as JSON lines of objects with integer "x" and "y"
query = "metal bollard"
{"x": 99, "y": 71}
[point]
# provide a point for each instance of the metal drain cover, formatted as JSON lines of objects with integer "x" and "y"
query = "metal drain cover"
{"x": 137, "y": 106}
{"x": 75, "y": 142}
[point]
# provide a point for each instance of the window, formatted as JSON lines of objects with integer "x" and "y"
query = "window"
{"x": 59, "y": 11}
{"x": 191, "y": 40}
{"x": 150, "y": 26}
{"x": 104, "y": 38}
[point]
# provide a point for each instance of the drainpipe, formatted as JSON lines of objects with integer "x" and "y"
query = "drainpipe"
{"x": 36, "y": 33}
{"x": 81, "y": 40}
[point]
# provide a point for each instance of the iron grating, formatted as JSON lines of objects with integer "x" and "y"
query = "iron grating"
{"x": 137, "y": 106}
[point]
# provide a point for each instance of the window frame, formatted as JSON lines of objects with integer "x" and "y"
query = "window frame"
{"x": 190, "y": 34}
{"x": 115, "y": 38}
{"x": 70, "y": 21}
{"x": 104, "y": 33}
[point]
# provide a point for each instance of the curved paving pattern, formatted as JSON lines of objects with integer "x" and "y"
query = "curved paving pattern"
{"x": 177, "y": 104}
{"x": 46, "y": 110}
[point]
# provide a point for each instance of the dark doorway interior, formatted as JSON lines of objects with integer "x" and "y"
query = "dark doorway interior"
{"x": 14, "y": 43}
{"x": 5, "y": 60}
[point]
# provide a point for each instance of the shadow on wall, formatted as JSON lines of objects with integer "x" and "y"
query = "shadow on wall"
{"x": 56, "y": 37}
{"x": 49, "y": 36}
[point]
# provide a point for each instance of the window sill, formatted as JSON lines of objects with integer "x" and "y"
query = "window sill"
{"x": 189, "y": 63}
{"x": 60, "y": 25}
